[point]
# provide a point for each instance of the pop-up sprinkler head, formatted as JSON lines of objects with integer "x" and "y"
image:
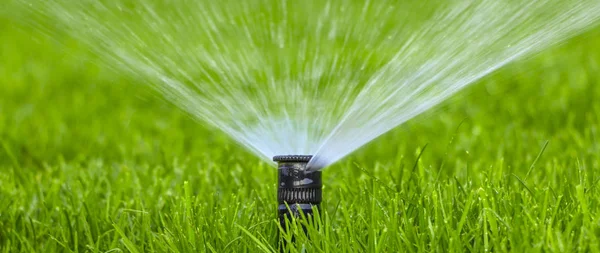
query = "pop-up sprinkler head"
{"x": 298, "y": 187}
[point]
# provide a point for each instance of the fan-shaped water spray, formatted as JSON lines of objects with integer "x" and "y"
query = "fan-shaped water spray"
{"x": 315, "y": 77}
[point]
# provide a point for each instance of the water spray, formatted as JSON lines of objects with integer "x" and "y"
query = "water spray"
{"x": 299, "y": 187}
{"x": 211, "y": 58}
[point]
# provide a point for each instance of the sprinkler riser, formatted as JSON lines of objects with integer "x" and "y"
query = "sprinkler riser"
{"x": 299, "y": 189}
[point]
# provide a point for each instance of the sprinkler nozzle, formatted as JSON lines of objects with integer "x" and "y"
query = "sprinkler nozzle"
{"x": 298, "y": 187}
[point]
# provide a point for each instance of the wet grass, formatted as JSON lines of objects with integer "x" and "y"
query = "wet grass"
{"x": 91, "y": 161}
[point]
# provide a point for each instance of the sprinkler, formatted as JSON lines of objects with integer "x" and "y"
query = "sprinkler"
{"x": 299, "y": 189}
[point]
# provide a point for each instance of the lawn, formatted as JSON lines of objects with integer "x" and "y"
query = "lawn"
{"x": 93, "y": 161}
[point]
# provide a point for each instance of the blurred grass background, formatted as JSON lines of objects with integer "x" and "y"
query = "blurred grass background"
{"x": 90, "y": 160}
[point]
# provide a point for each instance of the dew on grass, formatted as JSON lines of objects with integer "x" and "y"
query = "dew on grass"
{"x": 319, "y": 77}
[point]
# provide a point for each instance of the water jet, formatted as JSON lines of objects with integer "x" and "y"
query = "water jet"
{"x": 257, "y": 70}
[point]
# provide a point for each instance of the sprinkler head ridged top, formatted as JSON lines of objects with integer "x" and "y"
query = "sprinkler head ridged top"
{"x": 292, "y": 158}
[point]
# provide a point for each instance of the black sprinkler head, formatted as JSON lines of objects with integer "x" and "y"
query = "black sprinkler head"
{"x": 298, "y": 187}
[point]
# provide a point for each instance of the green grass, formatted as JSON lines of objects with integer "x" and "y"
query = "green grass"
{"x": 92, "y": 162}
